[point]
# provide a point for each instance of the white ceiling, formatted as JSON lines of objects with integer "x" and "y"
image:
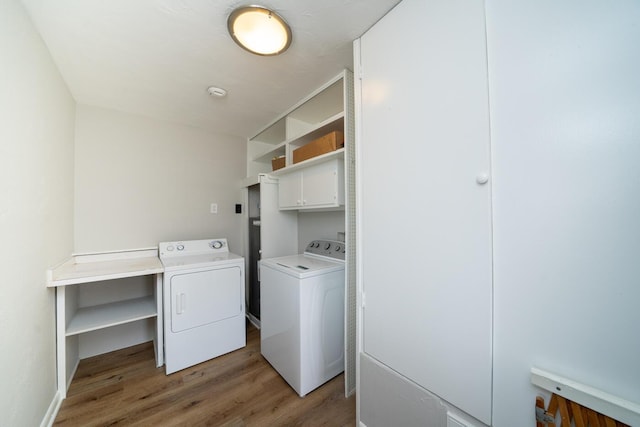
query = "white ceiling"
{"x": 157, "y": 57}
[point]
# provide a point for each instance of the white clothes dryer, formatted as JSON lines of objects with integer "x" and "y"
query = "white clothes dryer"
{"x": 302, "y": 314}
{"x": 204, "y": 311}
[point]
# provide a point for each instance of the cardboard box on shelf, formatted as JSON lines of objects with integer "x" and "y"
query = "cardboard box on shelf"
{"x": 325, "y": 144}
{"x": 277, "y": 163}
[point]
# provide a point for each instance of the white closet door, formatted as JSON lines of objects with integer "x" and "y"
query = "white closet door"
{"x": 425, "y": 219}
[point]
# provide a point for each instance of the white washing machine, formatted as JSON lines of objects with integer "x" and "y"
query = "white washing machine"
{"x": 302, "y": 314}
{"x": 204, "y": 313}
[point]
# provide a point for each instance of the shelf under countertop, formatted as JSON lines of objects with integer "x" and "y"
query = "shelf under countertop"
{"x": 106, "y": 315}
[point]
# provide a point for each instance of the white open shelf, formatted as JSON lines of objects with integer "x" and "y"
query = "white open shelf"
{"x": 309, "y": 162}
{"x": 72, "y": 320}
{"x": 274, "y": 134}
{"x": 335, "y": 122}
{"x": 101, "y": 316}
{"x": 317, "y": 115}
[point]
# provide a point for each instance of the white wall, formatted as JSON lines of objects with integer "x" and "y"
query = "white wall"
{"x": 36, "y": 213}
{"x": 565, "y": 109}
{"x": 140, "y": 181}
{"x": 319, "y": 225}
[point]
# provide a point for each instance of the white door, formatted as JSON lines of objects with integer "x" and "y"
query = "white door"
{"x": 279, "y": 229}
{"x": 320, "y": 185}
{"x": 290, "y": 190}
{"x": 204, "y": 297}
{"x": 425, "y": 205}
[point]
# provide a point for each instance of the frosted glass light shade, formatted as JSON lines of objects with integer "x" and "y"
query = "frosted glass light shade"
{"x": 259, "y": 30}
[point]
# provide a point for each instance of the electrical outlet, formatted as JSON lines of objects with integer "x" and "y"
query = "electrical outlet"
{"x": 214, "y": 208}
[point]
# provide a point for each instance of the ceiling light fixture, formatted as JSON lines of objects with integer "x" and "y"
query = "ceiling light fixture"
{"x": 259, "y": 30}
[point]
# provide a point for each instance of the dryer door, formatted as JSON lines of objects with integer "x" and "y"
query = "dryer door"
{"x": 203, "y": 297}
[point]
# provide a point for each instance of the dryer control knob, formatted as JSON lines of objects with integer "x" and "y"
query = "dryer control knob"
{"x": 327, "y": 246}
{"x": 170, "y": 248}
{"x": 216, "y": 244}
{"x": 180, "y": 247}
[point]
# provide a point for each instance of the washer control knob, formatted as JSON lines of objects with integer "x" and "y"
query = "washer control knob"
{"x": 327, "y": 246}
{"x": 170, "y": 248}
{"x": 180, "y": 247}
{"x": 216, "y": 244}
{"x": 338, "y": 247}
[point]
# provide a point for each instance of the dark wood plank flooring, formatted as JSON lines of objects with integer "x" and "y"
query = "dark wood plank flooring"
{"x": 238, "y": 389}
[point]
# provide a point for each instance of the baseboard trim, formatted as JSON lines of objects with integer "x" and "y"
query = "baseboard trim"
{"x": 52, "y": 412}
{"x": 254, "y": 321}
{"x": 73, "y": 374}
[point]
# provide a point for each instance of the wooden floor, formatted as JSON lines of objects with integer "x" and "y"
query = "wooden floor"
{"x": 125, "y": 388}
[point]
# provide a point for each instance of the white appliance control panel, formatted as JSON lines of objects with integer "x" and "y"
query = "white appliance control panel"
{"x": 193, "y": 247}
{"x": 327, "y": 248}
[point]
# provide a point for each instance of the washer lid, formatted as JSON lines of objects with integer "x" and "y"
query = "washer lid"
{"x": 303, "y": 266}
{"x": 198, "y": 261}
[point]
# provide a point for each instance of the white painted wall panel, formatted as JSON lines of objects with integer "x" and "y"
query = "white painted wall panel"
{"x": 565, "y": 103}
{"x": 36, "y": 214}
{"x": 392, "y": 400}
{"x": 319, "y": 225}
{"x": 140, "y": 181}
{"x": 425, "y": 222}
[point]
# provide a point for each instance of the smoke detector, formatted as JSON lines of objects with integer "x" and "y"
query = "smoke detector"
{"x": 216, "y": 91}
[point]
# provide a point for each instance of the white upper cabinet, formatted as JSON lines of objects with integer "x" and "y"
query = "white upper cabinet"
{"x": 319, "y": 186}
{"x": 290, "y": 190}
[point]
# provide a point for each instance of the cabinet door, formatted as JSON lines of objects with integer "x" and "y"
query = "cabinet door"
{"x": 317, "y": 186}
{"x": 279, "y": 229}
{"x": 290, "y": 190}
{"x": 320, "y": 185}
{"x": 425, "y": 213}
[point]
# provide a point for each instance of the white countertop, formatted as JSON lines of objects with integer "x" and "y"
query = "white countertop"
{"x": 94, "y": 267}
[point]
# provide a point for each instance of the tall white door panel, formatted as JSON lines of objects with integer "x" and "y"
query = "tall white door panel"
{"x": 425, "y": 200}
{"x": 279, "y": 229}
